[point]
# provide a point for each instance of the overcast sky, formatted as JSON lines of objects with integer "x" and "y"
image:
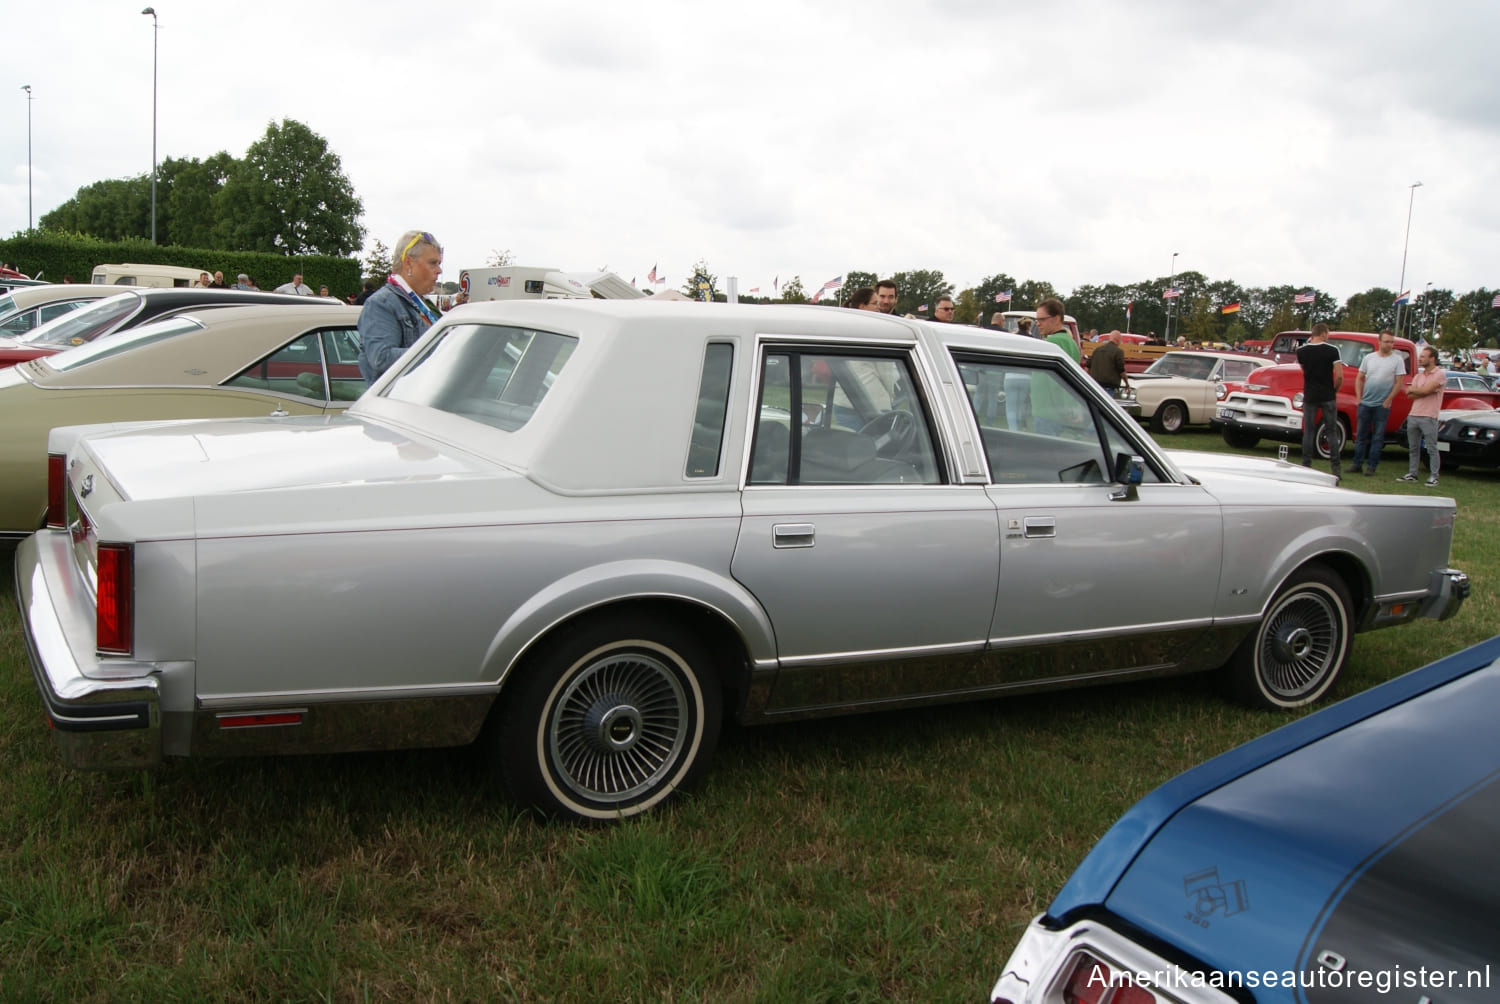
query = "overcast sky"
{"x": 1077, "y": 142}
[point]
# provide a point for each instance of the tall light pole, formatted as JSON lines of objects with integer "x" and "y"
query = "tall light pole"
{"x": 29, "y": 99}
{"x": 1172, "y": 274}
{"x": 1401, "y": 285}
{"x": 155, "y": 32}
{"x": 1426, "y": 299}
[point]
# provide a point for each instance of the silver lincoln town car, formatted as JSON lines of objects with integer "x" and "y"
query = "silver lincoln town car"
{"x": 582, "y": 533}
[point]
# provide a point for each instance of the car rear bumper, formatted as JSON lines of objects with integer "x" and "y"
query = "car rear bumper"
{"x": 101, "y": 716}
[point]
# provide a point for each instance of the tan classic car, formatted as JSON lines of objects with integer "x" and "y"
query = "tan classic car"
{"x": 215, "y": 362}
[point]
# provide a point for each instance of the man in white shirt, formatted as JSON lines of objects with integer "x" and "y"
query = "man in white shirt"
{"x": 1375, "y": 387}
{"x": 295, "y": 287}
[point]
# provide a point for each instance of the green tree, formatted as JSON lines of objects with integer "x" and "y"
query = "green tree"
{"x": 792, "y": 291}
{"x": 1282, "y": 319}
{"x": 185, "y": 194}
{"x": 702, "y": 284}
{"x": 1484, "y": 319}
{"x": 985, "y": 293}
{"x": 1236, "y": 332}
{"x": 918, "y": 287}
{"x": 1200, "y": 322}
{"x": 111, "y": 210}
{"x": 1032, "y": 292}
{"x": 1371, "y": 310}
{"x": 378, "y": 261}
{"x": 966, "y": 308}
{"x": 854, "y": 279}
{"x": 1456, "y": 330}
{"x": 289, "y": 195}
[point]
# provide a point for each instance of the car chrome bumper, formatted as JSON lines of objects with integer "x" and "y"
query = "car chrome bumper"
{"x": 1446, "y": 591}
{"x": 99, "y": 722}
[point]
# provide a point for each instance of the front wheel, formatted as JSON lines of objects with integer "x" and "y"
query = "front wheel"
{"x": 608, "y": 721}
{"x": 1300, "y": 646}
{"x": 1170, "y": 417}
{"x": 1327, "y": 450}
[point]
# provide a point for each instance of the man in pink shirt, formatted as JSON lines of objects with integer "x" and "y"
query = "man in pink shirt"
{"x": 1426, "y": 393}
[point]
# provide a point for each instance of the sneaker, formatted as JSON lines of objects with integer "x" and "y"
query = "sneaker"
{"x": 1412, "y": 478}
{"x": 1369, "y": 472}
{"x": 1432, "y": 482}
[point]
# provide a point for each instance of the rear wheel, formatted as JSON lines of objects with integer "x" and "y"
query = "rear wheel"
{"x": 1340, "y": 434}
{"x": 607, "y": 721}
{"x": 1170, "y": 417}
{"x": 1240, "y": 439}
{"x": 1301, "y": 645}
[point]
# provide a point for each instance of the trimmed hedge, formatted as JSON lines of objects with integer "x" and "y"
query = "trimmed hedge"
{"x": 57, "y": 254}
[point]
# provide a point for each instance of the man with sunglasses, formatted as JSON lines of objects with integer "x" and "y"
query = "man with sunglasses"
{"x": 396, "y": 314}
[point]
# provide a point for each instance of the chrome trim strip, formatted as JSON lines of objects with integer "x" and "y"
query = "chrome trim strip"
{"x": 882, "y": 654}
{"x": 246, "y": 701}
{"x": 1195, "y": 624}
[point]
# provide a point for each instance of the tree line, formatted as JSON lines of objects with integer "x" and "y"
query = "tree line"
{"x": 1452, "y": 320}
{"x": 287, "y": 195}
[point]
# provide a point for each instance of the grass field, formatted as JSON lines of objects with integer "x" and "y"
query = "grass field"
{"x": 885, "y": 857}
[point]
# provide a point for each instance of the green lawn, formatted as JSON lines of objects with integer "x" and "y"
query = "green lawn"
{"x": 885, "y": 857}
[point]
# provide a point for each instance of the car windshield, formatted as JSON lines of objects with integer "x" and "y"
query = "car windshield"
{"x": 86, "y": 324}
{"x": 1180, "y": 364}
{"x": 103, "y": 348}
{"x": 485, "y": 372}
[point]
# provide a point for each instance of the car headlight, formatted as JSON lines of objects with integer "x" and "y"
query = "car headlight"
{"x": 1297, "y": 400}
{"x": 1220, "y": 392}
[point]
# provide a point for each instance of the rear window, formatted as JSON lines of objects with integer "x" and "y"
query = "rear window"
{"x": 88, "y": 323}
{"x": 115, "y": 344}
{"x": 489, "y": 373}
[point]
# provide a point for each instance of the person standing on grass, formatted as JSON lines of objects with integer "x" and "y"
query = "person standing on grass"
{"x": 1426, "y": 393}
{"x": 1322, "y": 375}
{"x": 1375, "y": 387}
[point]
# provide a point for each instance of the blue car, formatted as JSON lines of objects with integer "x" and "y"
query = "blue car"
{"x": 1349, "y": 856}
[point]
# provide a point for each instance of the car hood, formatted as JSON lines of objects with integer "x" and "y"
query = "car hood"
{"x": 1350, "y": 834}
{"x": 174, "y": 460}
{"x": 1487, "y": 419}
{"x": 1204, "y": 466}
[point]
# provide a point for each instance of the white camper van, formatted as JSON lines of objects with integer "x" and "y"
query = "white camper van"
{"x": 515, "y": 282}
{"x": 155, "y": 276}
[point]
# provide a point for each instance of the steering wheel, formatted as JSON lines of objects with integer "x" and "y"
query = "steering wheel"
{"x": 893, "y": 432}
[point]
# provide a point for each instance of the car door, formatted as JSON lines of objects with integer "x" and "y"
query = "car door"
{"x": 308, "y": 373}
{"x": 878, "y": 574}
{"x": 1094, "y": 579}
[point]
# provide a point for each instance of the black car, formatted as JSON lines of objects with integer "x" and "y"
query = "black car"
{"x": 128, "y": 310}
{"x": 1470, "y": 438}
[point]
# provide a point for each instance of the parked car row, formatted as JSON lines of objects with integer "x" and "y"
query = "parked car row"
{"x": 618, "y": 523}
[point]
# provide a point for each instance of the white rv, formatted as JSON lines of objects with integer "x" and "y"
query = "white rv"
{"x": 156, "y": 276}
{"x": 516, "y": 282}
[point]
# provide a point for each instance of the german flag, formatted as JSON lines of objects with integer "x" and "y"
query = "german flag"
{"x": 1230, "y": 308}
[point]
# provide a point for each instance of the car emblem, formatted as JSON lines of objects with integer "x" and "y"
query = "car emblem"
{"x": 87, "y": 488}
{"x": 1209, "y": 895}
{"x": 195, "y": 372}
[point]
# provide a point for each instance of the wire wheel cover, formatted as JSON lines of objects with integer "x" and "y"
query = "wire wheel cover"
{"x": 1300, "y": 643}
{"x": 619, "y": 728}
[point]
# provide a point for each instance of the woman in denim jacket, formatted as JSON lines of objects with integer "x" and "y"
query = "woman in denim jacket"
{"x": 396, "y": 314}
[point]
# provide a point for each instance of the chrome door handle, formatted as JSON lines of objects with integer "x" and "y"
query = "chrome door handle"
{"x": 792, "y": 535}
{"x": 1040, "y": 526}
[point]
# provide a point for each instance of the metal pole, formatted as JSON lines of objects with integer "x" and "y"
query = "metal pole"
{"x": 1167, "y": 338}
{"x": 29, "y": 99}
{"x": 1426, "y": 300}
{"x": 1401, "y": 285}
{"x": 155, "y": 34}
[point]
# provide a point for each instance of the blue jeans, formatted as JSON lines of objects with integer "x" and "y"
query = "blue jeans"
{"x": 1369, "y": 434}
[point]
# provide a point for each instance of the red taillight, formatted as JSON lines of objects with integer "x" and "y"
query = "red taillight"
{"x": 1096, "y": 982}
{"x": 57, "y": 491}
{"x": 115, "y": 618}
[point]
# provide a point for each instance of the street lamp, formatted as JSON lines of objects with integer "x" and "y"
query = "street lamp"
{"x": 1401, "y": 285}
{"x": 29, "y": 99}
{"x": 1172, "y": 274}
{"x": 155, "y": 32}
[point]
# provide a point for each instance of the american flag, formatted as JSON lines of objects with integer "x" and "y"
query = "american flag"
{"x": 1171, "y": 293}
{"x": 651, "y": 276}
{"x": 1496, "y": 304}
{"x": 755, "y": 290}
{"x": 832, "y": 284}
{"x": 1303, "y": 297}
{"x": 922, "y": 309}
{"x": 1403, "y": 298}
{"x": 776, "y": 282}
{"x": 1003, "y": 296}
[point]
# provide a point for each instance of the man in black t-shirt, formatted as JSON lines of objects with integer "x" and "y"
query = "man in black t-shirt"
{"x": 1322, "y": 374}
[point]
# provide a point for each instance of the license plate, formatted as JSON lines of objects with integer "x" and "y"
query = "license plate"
{"x": 1225, "y": 413}
{"x": 1442, "y": 446}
